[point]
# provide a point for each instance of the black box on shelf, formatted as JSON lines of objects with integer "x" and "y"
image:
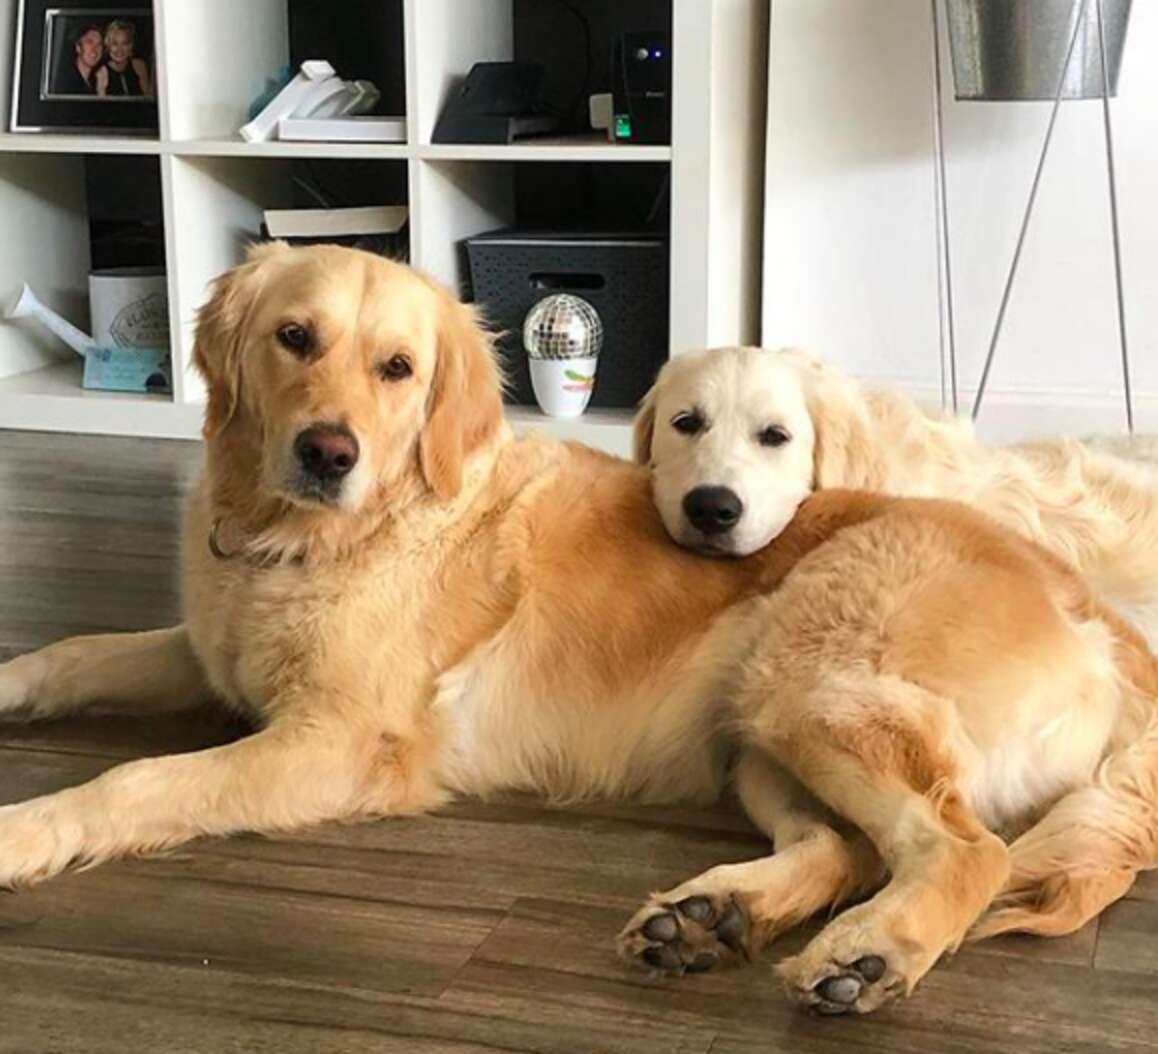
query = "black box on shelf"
{"x": 641, "y": 68}
{"x": 498, "y": 102}
{"x": 624, "y": 276}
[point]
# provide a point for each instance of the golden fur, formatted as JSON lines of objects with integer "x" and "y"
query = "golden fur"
{"x": 470, "y": 613}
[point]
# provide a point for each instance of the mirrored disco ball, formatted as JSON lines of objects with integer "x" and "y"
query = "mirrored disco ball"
{"x": 562, "y": 326}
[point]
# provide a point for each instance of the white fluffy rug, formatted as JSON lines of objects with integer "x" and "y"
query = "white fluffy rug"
{"x": 1142, "y": 446}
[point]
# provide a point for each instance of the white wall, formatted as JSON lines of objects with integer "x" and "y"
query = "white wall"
{"x": 850, "y": 239}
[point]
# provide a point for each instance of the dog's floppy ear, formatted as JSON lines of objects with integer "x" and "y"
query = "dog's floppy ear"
{"x": 220, "y": 332}
{"x": 643, "y": 430}
{"x": 845, "y": 453}
{"x": 465, "y": 408}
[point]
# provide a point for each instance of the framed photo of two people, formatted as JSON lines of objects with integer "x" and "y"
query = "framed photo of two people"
{"x": 83, "y": 67}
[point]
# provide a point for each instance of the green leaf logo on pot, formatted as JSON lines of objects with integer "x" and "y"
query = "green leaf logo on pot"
{"x": 580, "y": 382}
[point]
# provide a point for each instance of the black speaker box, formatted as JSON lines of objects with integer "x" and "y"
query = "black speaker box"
{"x": 641, "y": 86}
{"x": 623, "y": 276}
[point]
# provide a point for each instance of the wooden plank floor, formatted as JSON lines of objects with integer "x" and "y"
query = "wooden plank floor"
{"x": 482, "y": 928}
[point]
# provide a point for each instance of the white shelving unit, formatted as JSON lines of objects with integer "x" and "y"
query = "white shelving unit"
{"x": 215, "y": 186}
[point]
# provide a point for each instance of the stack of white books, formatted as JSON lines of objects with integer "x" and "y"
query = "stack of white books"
{"x": 343, "y": 129}
{"x": 375, "y": 228}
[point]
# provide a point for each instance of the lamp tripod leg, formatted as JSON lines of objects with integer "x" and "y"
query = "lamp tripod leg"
{"x": 1128, "y": 392}
{"x": 1081, "y": 9}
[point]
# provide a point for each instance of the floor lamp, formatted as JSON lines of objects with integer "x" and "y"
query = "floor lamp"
{"x": 1006, "y": 50}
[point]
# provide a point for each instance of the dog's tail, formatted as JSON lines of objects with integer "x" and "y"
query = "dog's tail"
{"x": 1087, "y": 850}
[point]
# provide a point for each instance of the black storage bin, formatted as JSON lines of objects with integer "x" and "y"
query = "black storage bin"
{"x": 623, "y": 276}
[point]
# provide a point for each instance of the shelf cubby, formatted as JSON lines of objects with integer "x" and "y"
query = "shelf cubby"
{"x": 215, "y": 185}
{"x": 52, "y": 241}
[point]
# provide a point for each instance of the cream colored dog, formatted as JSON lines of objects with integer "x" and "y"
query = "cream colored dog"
{"x": 736, "y": 437}
{"x": 413, "y": 605}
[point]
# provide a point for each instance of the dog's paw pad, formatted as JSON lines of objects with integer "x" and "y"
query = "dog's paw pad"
{"x": 853, "y": 988}
{"x": 870, "y": 967}
{"x": 732, "y": 927}
{"x": 692, "y": 935}
{"x": 839, "y": 992}
{"x": 662, "y": 957}
{"x": 702, "y": 963}
{"x": 664, "y": 927}
{"x": 699, "y": 909}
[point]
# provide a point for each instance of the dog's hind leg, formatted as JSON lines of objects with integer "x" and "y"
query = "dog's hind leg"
{"x": 1085, "y": 852}
{"x": 730, "y": 913}
{"x": 151, "y": 672}
{"x": 871, "y": 749}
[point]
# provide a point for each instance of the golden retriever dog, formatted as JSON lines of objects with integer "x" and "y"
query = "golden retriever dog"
{"x": 412, "y": 605}
{"x": 735, "y": 440}
{"x": 736, "y": 437}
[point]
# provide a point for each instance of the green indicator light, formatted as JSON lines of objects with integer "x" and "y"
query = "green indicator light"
{"x": 622, "y": 126}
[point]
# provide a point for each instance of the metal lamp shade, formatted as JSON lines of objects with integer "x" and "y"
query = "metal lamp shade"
{"x": 563, "y": 326}
{"x": 1007, "y": 50}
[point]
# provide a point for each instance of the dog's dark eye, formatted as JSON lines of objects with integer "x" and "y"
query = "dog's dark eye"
{"x": 774, "y": 436}
{"x": 296, "y": 338}
{"x": 396, "y": 368}
{"x": 688, "y": 423}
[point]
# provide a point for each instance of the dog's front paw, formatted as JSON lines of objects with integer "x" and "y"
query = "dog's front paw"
{"x": 18, "y": 682}
{"x": 33, "y": 845}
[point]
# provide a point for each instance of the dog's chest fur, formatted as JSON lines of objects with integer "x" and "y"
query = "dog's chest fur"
{"x": 278, "y": 634}
{"x": 368, "y": 633}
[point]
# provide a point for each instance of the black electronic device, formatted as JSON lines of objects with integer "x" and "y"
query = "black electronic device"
{"x": 498, "y": 102}
{"x": 641, "y": 86}
{"x": 624, "y": 276}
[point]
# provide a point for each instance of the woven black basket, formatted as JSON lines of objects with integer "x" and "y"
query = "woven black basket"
{"x": 623, "y": 276}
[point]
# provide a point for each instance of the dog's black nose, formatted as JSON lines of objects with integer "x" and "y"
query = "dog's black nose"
{"x": 713, "y": 510}
{"x": 327, "y": 452}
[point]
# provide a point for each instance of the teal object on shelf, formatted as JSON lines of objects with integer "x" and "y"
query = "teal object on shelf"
{"x": 269, "y": 91}
{"x": 115, "y": 369}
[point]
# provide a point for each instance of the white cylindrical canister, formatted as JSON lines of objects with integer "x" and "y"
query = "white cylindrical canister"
{"x": 130, "y": 307}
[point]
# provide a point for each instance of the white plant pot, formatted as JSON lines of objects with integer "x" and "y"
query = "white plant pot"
{"x": 563, "y": 386}
{"x": 129, "y": 307}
